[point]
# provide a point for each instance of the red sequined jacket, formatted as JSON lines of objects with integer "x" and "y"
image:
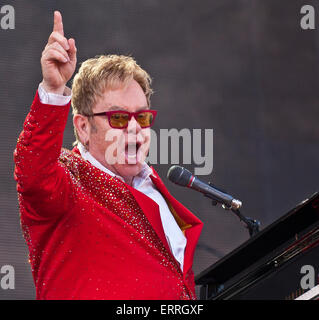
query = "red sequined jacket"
{"x": 90, "y": 235}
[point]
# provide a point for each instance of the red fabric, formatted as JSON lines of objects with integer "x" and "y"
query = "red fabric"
{"x": 91, "y": 236}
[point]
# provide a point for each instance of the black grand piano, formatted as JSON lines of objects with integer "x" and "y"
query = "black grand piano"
{"x": 280, "y": 262}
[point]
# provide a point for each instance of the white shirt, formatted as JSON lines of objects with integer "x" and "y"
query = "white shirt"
{"x": 142, "y": 182}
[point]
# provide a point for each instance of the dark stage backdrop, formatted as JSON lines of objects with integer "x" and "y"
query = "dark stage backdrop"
{"x": 242, "y": 67}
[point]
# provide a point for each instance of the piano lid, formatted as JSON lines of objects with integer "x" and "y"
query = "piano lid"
{"x": 303, "y": 216}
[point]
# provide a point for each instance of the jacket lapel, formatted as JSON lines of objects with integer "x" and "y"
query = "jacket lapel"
{"x": 189, "y": 222}
{"x": 151, "y": 211}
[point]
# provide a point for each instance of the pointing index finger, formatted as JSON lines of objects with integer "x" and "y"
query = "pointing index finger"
{"x": 58, "y": 24}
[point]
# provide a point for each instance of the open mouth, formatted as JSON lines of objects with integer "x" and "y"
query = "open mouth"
{"x": 131, "y": 152}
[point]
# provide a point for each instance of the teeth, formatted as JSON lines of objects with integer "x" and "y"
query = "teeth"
{"x": 131, "y": 150}
{"x": 131, "y": 156}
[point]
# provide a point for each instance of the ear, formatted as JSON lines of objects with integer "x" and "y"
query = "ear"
{"x": 81, "y": 124}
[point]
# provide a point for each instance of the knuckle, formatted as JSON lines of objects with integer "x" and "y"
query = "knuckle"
{"x": 52, "y": 36}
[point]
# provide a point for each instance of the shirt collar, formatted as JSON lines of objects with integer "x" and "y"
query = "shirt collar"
{"x": 137, "y": 181}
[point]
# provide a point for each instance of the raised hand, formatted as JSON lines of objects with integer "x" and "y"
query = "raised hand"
{"x": 58, "y": 59}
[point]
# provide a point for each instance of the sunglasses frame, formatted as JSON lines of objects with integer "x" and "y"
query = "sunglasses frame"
{"x": 130, "y": 114}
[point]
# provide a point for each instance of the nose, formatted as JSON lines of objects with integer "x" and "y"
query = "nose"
{"x": 133, "y": 126}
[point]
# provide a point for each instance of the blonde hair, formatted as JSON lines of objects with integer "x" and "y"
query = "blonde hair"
{"x": 101, "y": 73}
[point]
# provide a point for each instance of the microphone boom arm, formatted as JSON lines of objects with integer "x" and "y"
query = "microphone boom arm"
{"x": 185, "y": 178}
{"x": 251, "y": 224}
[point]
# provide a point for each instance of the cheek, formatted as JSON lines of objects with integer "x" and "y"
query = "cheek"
{"x": 114, "y": 140}
{"x": 99, "y": 133}
{"x": 146, "y": 134}
{"x": 114, "y": 147}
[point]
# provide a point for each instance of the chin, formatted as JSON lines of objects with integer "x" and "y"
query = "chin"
{"x": 129, "y": 170}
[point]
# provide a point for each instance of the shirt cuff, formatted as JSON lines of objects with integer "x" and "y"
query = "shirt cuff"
{"x": 53, "y": 98}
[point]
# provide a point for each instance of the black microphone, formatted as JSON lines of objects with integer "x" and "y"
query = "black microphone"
{"x": 184, "y": 178}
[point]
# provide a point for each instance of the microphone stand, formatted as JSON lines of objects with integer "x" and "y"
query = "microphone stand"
{"x": 251, "y": 224}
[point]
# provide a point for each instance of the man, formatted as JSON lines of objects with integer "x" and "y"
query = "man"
{"x": 98, "y": 221}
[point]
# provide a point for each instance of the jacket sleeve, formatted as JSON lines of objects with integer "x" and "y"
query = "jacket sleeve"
{"x": 44, "y": 185}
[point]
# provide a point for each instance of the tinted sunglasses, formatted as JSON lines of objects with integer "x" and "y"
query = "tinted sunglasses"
{"x": 119, "y": 119}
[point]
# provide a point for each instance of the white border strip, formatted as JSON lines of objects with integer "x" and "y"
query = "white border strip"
{"x": 312, "y": 294}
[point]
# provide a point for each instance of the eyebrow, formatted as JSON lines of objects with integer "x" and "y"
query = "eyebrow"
{"x": 115, "y": 108}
